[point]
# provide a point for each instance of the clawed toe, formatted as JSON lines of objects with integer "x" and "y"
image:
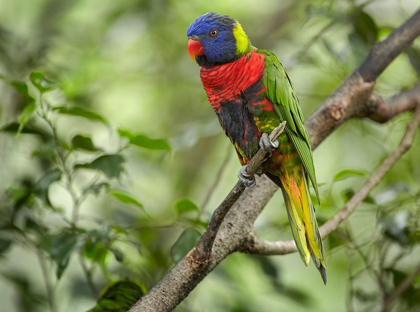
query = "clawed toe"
{"x": 267, "y": 145}
{"x": 245, "y": 177}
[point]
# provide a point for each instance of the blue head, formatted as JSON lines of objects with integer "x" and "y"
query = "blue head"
{"x": 216, "y": 39}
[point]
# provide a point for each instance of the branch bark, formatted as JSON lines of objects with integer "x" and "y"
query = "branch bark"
{"x": 352, "y": 99}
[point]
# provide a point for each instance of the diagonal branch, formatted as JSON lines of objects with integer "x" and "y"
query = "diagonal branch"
{"x": 259, "y": 246}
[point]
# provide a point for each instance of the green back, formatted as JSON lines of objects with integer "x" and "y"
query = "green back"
{"x": 284, "y": 99}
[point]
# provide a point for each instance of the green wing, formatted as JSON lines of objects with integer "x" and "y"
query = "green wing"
{"x": 280, "y": 92}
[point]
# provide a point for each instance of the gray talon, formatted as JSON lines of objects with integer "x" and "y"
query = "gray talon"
{"x": 267, "y": 145}
{"x": 245, "y": 177}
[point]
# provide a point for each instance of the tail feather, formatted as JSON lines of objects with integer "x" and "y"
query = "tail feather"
{"x": 302, "y": 219}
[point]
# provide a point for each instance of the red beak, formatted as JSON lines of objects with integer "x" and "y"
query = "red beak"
{"x": 195, "y": 48}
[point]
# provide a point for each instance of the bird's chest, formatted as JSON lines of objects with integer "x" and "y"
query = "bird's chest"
{"x": 237, "y": 94}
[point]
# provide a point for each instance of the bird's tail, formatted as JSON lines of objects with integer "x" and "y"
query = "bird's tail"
{"x": 303, "y": 221}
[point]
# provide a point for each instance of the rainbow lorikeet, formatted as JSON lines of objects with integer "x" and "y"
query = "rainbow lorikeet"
{"x": 251, "y": 94}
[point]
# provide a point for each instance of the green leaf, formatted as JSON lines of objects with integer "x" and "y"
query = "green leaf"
{"x": 143, "y": 140}
{"x": 347, "y": 173}
{"x": 347, "y": 194}
{"x": 365, "y": 27}
{"x": 83, "y": 142}
{"x": 125, "y": 198}
{"x": 26, "y": 116}
{"x": 119, "y": 296}
{"x": 62, "y": 247}
{"x": 13, "y": 127}
{"x": 185, "y": 205}
{"x": 111, "y": 165}
{"x": 80, "y": 112}
{"x": 184, "y": 244}
{"x": 39, "y": 81}
{"x": 22, "y": 88}
{"x": 41, "y": 188}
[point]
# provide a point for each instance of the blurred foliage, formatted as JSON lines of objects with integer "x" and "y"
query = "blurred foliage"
{"x": 108, "y": 144}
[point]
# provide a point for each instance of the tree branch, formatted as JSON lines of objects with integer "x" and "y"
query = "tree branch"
{"x": 350, "y": 100}
{"x": 258, "y": 246}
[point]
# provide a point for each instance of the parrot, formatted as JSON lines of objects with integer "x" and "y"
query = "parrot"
{"x": 119, "y": 296}
{"x": 251, "y": 94}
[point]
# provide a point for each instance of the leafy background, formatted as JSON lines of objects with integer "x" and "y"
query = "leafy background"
{"x": 109, "y": 154}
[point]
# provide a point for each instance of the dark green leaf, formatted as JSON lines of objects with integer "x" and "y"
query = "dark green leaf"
{"x": 13, "y": 127}
{"x": 22, "y": 88}
{"x": 39, "y": 81}
{"x": 144, "y": 141}
{"x": 41, "y": 188}
{"x": 119, "y": 296}
{"x": 347, "y": 173}
{"x": 347, "y": 194}
{"x": 125, "y": 198}
{"x": 62, "y": 247}
{"x": 110, "y": 165}
{"x": 365, "y": 27}
{"x": 185, "y": 205}
{"x": 83, "y": 142}
{"x": 184, "y": 244}
{"x": 80, "y": 112}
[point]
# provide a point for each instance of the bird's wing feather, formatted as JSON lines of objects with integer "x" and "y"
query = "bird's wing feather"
{"x": 286, "y": 105}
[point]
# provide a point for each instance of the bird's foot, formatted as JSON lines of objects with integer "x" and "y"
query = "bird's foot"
{"x": 267, "y": 145}
{"x": 245, "y": 177}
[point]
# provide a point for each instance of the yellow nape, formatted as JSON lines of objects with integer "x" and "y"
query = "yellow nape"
{"x": 242, "y": 43}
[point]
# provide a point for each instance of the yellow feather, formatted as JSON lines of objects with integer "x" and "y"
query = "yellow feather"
{"x": 242, "y": 42}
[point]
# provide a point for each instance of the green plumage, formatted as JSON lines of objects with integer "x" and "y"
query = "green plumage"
{"x": 284, "y": 99}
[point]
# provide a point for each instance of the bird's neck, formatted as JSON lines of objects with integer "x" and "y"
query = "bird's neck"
{"x": 227, "y": 81}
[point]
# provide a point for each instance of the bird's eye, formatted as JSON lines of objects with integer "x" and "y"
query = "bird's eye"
{"x": 213, "y": 32}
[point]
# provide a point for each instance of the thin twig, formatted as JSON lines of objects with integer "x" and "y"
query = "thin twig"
{"x": 202, "y": 251}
